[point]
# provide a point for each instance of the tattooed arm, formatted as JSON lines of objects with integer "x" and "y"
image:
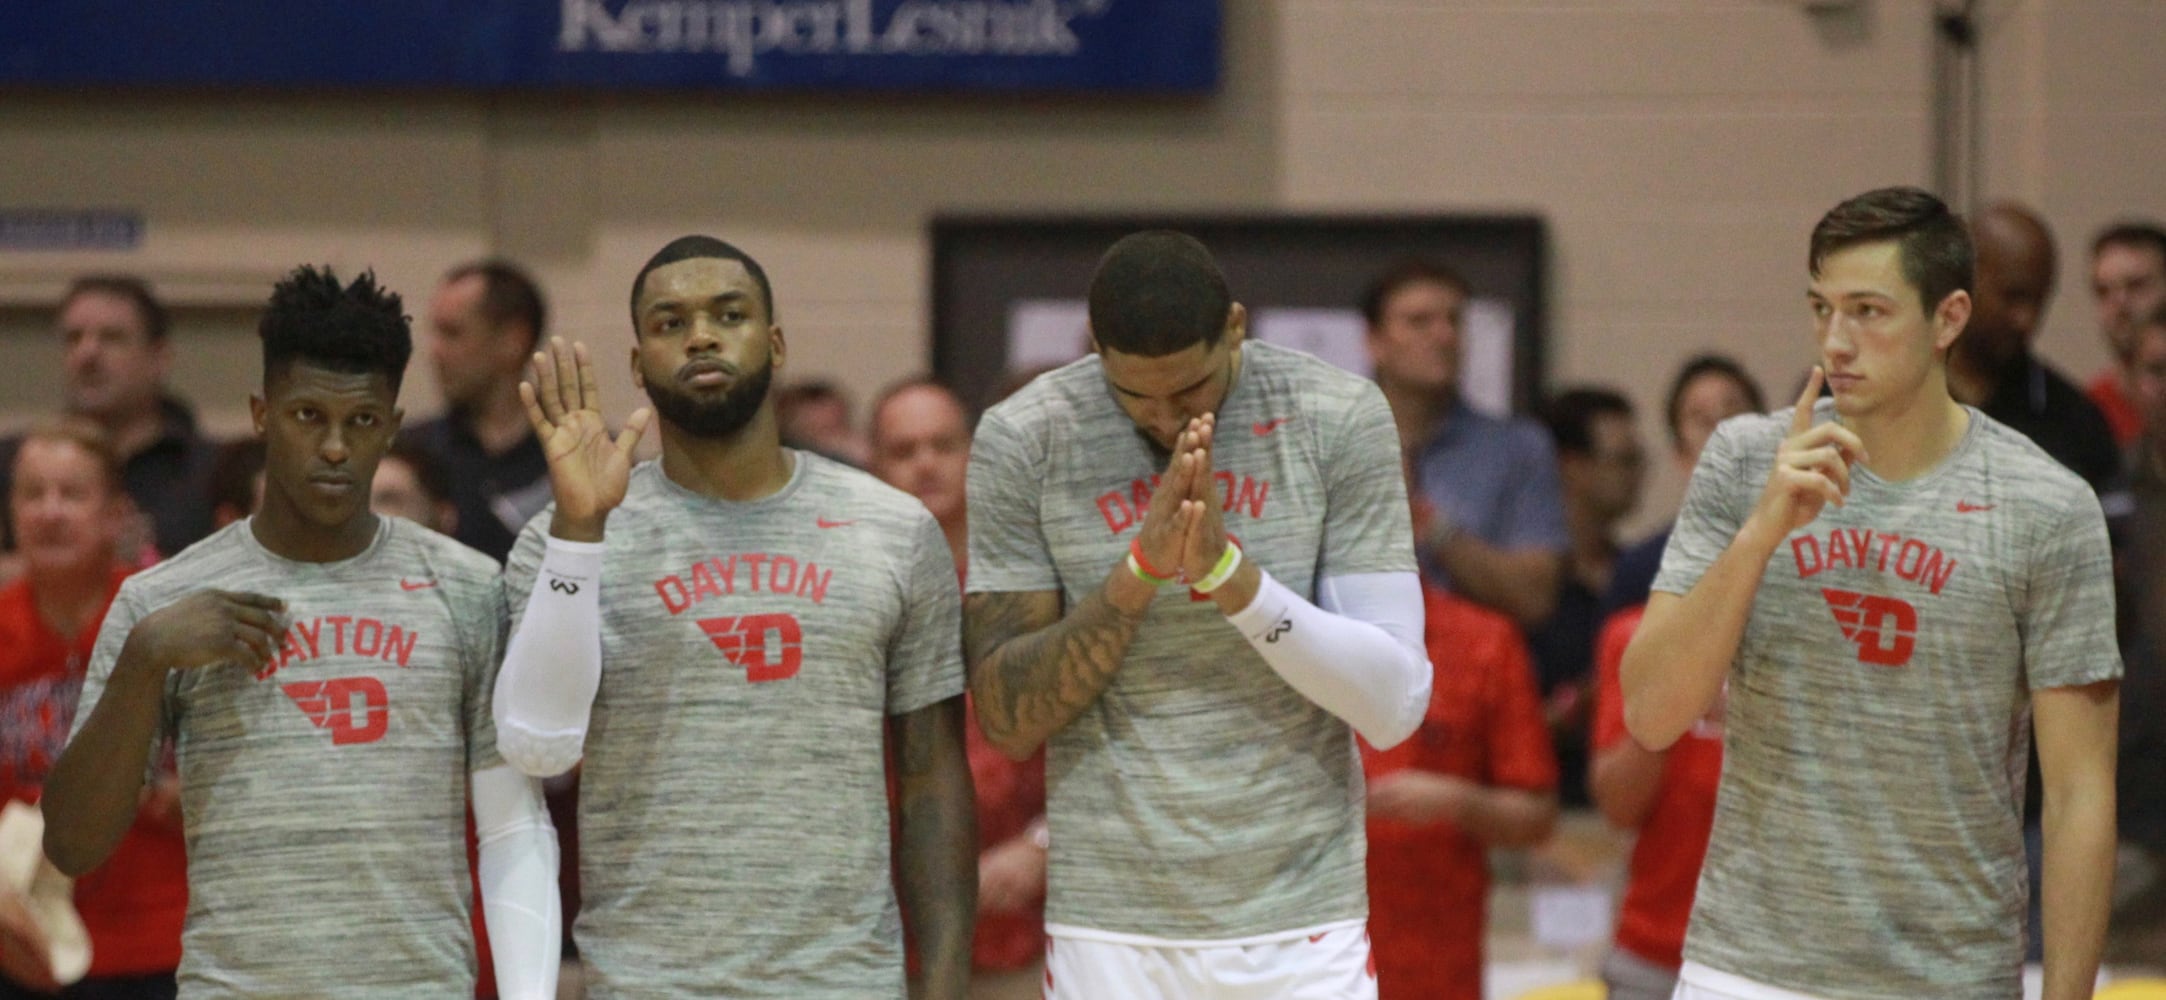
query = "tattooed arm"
{"x": 1033, "y": 669}
{"x": 937, "y": 853}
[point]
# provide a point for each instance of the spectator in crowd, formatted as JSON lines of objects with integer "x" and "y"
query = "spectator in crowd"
{"x": 410, "y": 483}
{"x": 1667, "y": 798}
{"x": 1478, "y": 774}
{"x": 2137, "y": 515}
{"x": 236, "y": 480}
{"x": 2128, "y": 281}
{"x": 1708, "y": 390}
{"x": 1600, "y": 465}
{"x": 487, "y": 315}
{"x": 1489, "y": 515}
{"x": 66, "y": 501}
{"x": 815, "y": 415}
{"x": 920, "y": 441}
{"x": 1992, "y": 366}
{"x": 920, "y": 444}
{"x": 117, "y": 356}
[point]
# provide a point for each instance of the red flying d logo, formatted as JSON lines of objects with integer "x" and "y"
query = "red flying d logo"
{"x": 354, "y": 709}
{"x": 745, "y": 641}
{"x": 1885, "y": 629}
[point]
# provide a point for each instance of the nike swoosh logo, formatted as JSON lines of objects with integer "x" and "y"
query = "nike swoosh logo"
{"x": 1967, "y": 507}
{"x": 825, "y": 523}
{"x": 1269, "y": 425}
{"x": 411, "y": 585}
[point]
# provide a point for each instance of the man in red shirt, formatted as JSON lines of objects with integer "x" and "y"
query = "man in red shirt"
{"x": 920, "y": 442}
{"x": 2128, "y": 283}
{"x": 1669, "y": 797}
{"x": 1479, "y": 773}
{"x": 66, "y": 503}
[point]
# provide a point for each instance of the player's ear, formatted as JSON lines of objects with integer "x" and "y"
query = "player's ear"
{"x": 1949, "y": 319}
{"x": 778, "y": 348}
{"x": 639, "y": 380}
{"x": 258, "y": 409}
{"x": 1236, "y": 325}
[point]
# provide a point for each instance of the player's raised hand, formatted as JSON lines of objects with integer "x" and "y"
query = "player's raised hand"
{"x": 1165, "y": 525}
{"x": 210, "y": 627}
{"x": 1812, "y": 465}
{"x": 1206, "y": 540}
{"x": 588, "y": 471}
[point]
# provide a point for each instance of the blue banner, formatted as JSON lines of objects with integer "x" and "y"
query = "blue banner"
{"x": 70, "y": 229}
{"x": 1140, "y": 46}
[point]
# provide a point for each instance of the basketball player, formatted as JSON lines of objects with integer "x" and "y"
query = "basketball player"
{"x": 728, "y": 656}
{"x": 1206, "y": 831}
{"x": 1912, "y": 587}
{"x": 324, "y": 674}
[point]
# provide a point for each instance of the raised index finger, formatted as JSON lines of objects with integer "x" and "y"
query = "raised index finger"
{"x": 1802, "y": 419}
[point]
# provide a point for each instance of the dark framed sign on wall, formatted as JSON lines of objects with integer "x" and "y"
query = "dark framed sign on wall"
{"x": 1008, "y": 291}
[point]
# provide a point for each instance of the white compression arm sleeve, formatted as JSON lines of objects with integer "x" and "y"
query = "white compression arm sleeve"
{"x": 553, "y": 663}
{"x": 1360, "y": 656}
{"x": 518, "y": 882}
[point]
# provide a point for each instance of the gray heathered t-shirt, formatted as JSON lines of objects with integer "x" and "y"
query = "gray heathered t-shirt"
{"x": 325, "y": 796}
{"x": 1868, "y": 834}
{"x": 1199, "y": 798}
{"x": 733, "y": 811}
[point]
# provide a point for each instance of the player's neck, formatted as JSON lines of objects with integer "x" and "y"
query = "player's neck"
{"x": 748, "y": 465}
{"x": 69, "y": 600}
{"x": 281, "y": 530}
{"x": 1908, "y": 438}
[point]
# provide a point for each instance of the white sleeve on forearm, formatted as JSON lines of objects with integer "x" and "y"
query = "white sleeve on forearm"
{"x": 518, "y": 883}
{"x": 553, "y": 663}
{"x": 1359, "y": 657}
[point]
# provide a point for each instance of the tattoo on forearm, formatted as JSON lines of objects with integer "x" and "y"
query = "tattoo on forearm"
{"x": 1032, "y": 669}
{"x": 938, "y": 853}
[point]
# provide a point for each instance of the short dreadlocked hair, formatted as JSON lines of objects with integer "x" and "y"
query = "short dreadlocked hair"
{"x": 358, "y": 329}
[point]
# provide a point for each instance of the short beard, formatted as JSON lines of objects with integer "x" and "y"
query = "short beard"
{"x": 720, "y": 418}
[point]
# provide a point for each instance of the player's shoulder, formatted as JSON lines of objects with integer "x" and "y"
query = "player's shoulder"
{"x": 440, "y": 555}
{"x": 2026, "y": 473}
{"x": 210, "y": 562}
{"x": 842, "y": 491}
{"x": 1318, "y": 385}
{"x": 1763, "y": 432}
{"x": 1053, "y": 399}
